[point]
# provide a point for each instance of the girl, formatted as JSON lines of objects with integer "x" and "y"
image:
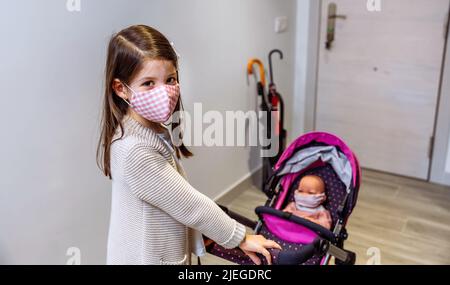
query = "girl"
{"x": 157, "y": 217}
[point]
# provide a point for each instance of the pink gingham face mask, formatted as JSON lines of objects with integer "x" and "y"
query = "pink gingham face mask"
{"x": 156, "y": 104}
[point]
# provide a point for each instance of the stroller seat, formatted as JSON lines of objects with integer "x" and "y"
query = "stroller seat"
{"x": 335, "y": 191}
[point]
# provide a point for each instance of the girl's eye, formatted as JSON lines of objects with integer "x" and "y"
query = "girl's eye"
{"x": 172, "y": 80}
{"x": 148, "y": 83}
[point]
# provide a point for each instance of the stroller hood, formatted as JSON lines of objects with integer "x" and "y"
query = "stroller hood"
{"x": 305, "y": 157}
{"x": 326, "y": 140}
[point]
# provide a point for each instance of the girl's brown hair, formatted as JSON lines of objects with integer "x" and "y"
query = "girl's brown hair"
{"x": 127, "y": 51}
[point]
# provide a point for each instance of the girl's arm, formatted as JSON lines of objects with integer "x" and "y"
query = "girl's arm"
{"x": 154, "y": 180}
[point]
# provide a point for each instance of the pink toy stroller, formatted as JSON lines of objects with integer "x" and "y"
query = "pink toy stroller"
{"x": 303, "y": 241}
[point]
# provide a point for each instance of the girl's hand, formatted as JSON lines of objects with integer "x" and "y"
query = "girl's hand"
{"x": 253, "y": 244}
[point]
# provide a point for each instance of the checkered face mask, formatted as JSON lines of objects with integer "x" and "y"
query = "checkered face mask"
{"x": 156, "y": 104}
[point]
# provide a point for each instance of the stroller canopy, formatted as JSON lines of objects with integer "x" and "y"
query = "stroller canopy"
{"x": 331, "y": 149}
{"x": 329, "y": 154}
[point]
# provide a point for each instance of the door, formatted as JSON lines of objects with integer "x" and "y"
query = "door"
{"x": 378, "y": 80}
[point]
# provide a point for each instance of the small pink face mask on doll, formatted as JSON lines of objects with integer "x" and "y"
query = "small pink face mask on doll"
{"x": 310, "y": 193}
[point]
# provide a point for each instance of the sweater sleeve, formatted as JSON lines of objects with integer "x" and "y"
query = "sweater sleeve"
{"x": 153, "y": 180}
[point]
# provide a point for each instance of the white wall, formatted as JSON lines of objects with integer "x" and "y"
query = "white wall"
{"x": 52, "y": 196}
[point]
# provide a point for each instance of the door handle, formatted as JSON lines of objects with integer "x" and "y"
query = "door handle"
{"x": 331, "y": 24}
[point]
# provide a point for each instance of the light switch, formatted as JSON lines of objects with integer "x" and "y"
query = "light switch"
{"x": 281, "y": 24}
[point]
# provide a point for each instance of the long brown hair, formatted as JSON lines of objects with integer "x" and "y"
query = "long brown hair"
{"x": 127, "y": 51}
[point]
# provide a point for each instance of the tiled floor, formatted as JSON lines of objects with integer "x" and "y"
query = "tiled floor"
{"x": 407, "y": 221}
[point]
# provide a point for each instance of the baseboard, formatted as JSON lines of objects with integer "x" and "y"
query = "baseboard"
{"x": 251, "y": 179}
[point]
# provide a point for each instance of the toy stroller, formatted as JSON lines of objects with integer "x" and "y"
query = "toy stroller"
{"x": 303, "y": 241}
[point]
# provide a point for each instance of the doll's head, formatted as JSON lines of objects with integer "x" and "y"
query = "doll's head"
{"x": 311, "y": 184}
{"x": 310, "y": 192}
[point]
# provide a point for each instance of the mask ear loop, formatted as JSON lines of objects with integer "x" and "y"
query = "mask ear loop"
{"x": 131, "y": 91}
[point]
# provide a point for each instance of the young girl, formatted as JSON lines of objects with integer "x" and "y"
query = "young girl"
{"x": 157, "y": 217}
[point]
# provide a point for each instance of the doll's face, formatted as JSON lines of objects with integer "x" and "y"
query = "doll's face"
{"x": 310, "y": 185}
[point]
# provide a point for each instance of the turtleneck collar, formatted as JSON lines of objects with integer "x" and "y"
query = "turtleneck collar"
{"x": 134, "y": 126}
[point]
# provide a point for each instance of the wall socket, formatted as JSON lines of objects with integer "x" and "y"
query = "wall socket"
{"x": 281, "y": 24}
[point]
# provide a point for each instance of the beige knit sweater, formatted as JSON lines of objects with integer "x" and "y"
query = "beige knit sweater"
{"x": 153, "y": 206}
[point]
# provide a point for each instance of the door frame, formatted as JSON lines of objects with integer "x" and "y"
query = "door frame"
{"x": 441, "y": 147}
{"x": 441, "y": 143}
{"x": 312, "y": 66}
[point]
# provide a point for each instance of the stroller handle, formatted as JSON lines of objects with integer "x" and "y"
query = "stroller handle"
{"x": 321, "y": 231}
{"x": 290, "y": 257}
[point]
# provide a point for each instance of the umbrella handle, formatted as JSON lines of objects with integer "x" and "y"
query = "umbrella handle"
{"x": 280, "y": 53}
{"x": 250, "y": 64}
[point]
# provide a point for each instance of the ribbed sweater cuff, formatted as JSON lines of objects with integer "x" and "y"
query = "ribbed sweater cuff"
{"x": 236, "y": 238}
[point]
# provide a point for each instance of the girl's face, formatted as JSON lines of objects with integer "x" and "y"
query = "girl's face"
{"x": 154, "y": 73}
